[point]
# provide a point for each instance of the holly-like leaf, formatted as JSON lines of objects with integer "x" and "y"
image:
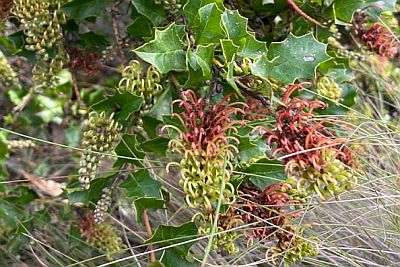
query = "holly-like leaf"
{"x": 168, "y": 235}
{"x": 157, "y": 145}
{"x": 252, "y": 48}
{"x": 141, "y": 184}
{"x": 249, "y": 149}
{"x": 128, "y": 151}
{"x": 81, "y": 9}
{"x": 147, "y": 203}
{"x": 265, "y": 172}
{"x": 235, "y": 25}
{"x": 162, "y": 107}
{"x": 153, "y": 12}
{"x": 191, "y": 9}
{"x": 165, "y": 52}
{"x": 294, "y": 58}
{"x": 344, "y": 9}
{"x": 209, "y": 29}
{"x": 122, "y": 104}
{"x": 171, "y": 259}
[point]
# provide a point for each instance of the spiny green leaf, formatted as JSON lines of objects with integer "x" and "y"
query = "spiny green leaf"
{"x": 209, "y": 29}
{"x": 141, "y": 184}
{"x": 249, "y": 150}
{"x": 153, "y": 12}
{"x": 127, "y": 147}
{"x": 165, "y": 52}
{"x": 265, "y": 172}
{"x": 124, "y": 105}
{"x": 81, "y": 9}
{"x": 235, "y": 25}
{"x": 344, "y": 9}
{"x": 294, "y": 58}
{"x": 169, "y": 235}
{"x": 192, "y": 7}
{"x": 157, "y": 145}
{"x": 147, "y": 203}
{"x": 252, "y": 48}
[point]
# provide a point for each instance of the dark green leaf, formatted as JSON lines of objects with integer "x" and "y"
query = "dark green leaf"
{"x": 191, "y": 9}
{"x": 147, "y": 203}
{"x": 128, "y": 152}
{"x": 209, "y": 29}
{"x": 265, "y": 172}
{"x": 235, "y": 26}
{"x": 157, "y": 145}
{"x": 252, "y": 48}
{"x": 123, "y": 105}
{"x": 250, "y": 150}
{"x": 140, "y": 27}
{"x": 162, "y": 107}
{"x": 168, "y": 235}
{"x": 294, "y": 58}
{"x": 171, "y": 259}
{"x": 81, "y": 9}
{"x": 141, "y": 184}
{"x": 344, "y": 9}
{"x": 154, "y": 13}
{"x": 165, "y": 52}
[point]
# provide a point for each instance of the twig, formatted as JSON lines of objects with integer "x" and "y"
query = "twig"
{"x": 76, "y": 88}
{"x": 149, "y": 234}
{"x": 304, "y": 15}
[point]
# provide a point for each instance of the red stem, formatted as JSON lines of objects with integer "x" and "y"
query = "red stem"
{"x": 304, "y": 15}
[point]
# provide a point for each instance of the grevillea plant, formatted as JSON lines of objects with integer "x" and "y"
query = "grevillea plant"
{"x": 194, "y": 132}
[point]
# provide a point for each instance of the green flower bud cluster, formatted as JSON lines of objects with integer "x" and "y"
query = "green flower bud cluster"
{"x": 225, "y": 239}
{"x": 19, "y": 144}
{"x": 139, "y": 83}
{"x": 327, "y": 87}
{"x": 41, "y": 21}
{"x": 201, "y": 180}
{"x": 292, "y": 247}
{"x": 102, "y": 205}
{"x": 106, "y": 238}
{"x": 45, "y": 74}
{"x": 171, "y": 6}
{"x": 101, "y": 133}
{"x": 334, "y": 178}
{"x": 7, "y": 75}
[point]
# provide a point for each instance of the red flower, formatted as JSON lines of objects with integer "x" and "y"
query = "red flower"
{"x": 380, "y": 40}
{"x": 268, "y": 209}
{"x": 207, "y": 127}
{"x": 297, "y": 133}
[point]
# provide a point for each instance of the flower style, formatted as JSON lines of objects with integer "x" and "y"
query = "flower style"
{"x": 267, "y": 209}
{"x": 380, "y": 40}
{"x": 297, "y": 133}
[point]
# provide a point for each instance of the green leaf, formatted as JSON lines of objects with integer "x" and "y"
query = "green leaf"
{"x": 127, "y": 148}
{"x": 252, "y": 48}
{"x": 81, "y": 9}
{"x": 249, "y": 150}
{"x": 344, "y": 9}
{"x": 202, "y": 58}
{"x": 153, "y": 12}
{"x": 235, "y": 26}
{"x": 141, "y": 184}
{"x": 169, "y": 235}
{"x": 191, "y": 9}
{"x": 165, "y": 52}
{"x": 162, "y": 106}
{"x": 229, "y": 50}
{"x": 155, "y": 264}
{"x": 157, "y": 145}
{"x": 123, "y": 105}
{"x": 265, "y": 172}
{"x": 209, "y": 29}
{"x": 147, "y": 203}
{"x": 294, "y": 58}
{"x": 140, "y": 27}
{"x": 172, "y": 259}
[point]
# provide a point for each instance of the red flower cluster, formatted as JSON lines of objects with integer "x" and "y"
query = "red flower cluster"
{"x": 206, "y": 127}
{"x": 297, "y": 133}
{"x": 269, "y": 209}
{"x": 84, "y": 60}
{"x": 380, "y": 40}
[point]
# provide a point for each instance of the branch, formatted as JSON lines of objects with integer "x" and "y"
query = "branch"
{"x": 304, "y": 15}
